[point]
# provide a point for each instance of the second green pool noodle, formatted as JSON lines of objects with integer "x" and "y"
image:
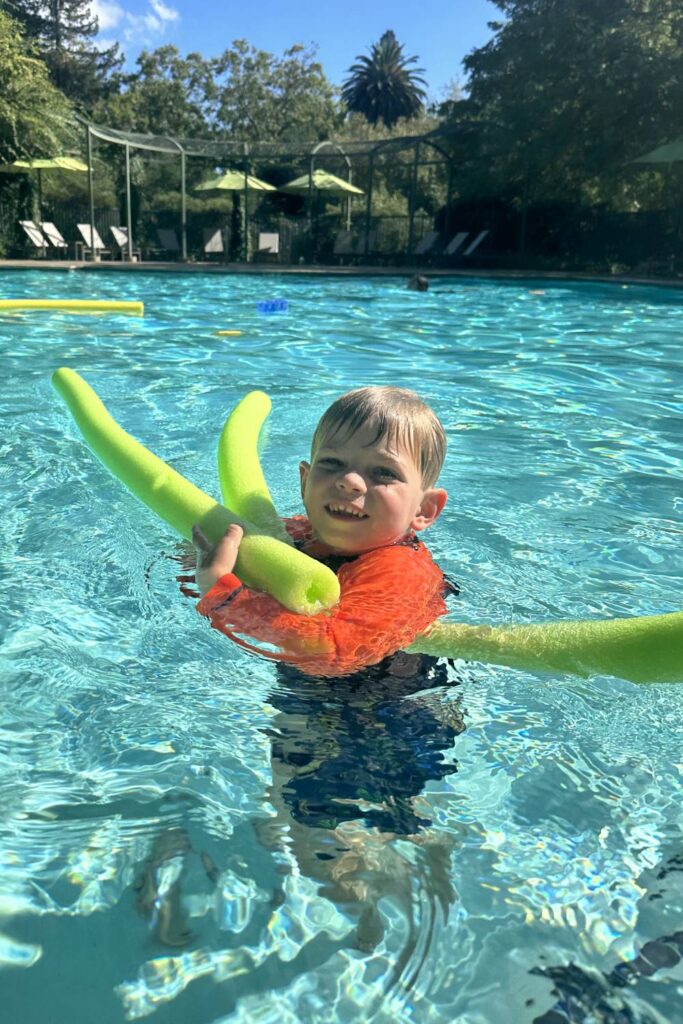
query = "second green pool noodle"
{"x": 642, "y": 649}
{"x": 243, "y": 485}
{"x": 298, "y": 582}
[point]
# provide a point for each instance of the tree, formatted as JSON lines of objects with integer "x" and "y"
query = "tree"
{"x": 382, "y": 87}
{"x": 261, "y": 96}
{"x": 167, "y": 95}
{"x": 34, "y": 115}
{"x": 62, "y": 30}
{"x": 577, "y": 88}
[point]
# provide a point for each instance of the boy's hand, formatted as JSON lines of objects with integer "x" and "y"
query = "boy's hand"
{"x": 215, "y": 560}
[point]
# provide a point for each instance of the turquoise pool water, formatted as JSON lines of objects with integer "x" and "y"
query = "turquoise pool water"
{"x": 145, "y": 871}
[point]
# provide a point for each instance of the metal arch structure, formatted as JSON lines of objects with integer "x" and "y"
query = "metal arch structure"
{"x": 314, "y": 152}
{"x": 404, "y": 143}
{"x": 152, "y": 143}
{"x": 224, "y": 151}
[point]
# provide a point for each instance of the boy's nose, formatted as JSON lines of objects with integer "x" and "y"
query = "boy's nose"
{"x": 351, "y": 483}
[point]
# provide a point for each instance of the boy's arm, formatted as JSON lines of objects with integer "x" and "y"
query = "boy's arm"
{"x": 215, "y": 560}
{"x": 388, "y": 597}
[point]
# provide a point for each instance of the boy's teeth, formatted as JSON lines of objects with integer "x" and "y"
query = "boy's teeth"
{"x": 347, "y": 511}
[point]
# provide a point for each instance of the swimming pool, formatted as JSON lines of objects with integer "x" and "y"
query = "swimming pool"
{"x": 145, "y": 871}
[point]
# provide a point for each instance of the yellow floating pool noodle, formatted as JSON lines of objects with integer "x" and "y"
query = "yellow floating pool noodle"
{"x": 298, "y": 582}
{"x": 243, "y": 485}
{"x": 75, "y": 305}
{"x": 642, "y": 649}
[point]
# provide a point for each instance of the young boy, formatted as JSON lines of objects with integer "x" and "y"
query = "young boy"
{"x": 368, "y": 489}
{"x": 351, "y": 754}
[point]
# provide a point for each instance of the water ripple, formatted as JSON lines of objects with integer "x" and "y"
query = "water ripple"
{"x": 139, "y": 806}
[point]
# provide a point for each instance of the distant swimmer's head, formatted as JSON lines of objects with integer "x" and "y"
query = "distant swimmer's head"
{"x": 418, "y": 283}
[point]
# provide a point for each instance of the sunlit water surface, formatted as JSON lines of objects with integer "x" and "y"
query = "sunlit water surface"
{"x": 128, "y": 727}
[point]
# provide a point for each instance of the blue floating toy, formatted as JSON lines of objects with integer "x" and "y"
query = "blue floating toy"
{"x": 272, "y": 306}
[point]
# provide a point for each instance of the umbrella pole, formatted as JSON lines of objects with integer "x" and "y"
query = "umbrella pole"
{"x": 449, "y": 197}
{"x": 368, "y": 201}
{"x": 413, "y": 190}
{"x": 40, "y": 208}
{"x": 183, "y": 205}
{"x": 129, "y": 218}
{"x": 91, "y": 192}
{"x": 245, "y": 212}
{"x": 310, "y": 211}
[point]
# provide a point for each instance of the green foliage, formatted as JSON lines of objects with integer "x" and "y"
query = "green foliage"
{"x": 62, "y": 31}
{"x": 34, "y": 115}
{"x": 393, "y": 167}
{"x": 167, "y": 95}
{"x": 382, "y": 87}
{"x": 570, "y": 91}
{"x": 261, "y": 96}
{"x": 245, "y": 93}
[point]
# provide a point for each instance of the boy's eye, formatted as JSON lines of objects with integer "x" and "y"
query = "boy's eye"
{"x": 329, "y": 463}
{"x": 385, "y": 473}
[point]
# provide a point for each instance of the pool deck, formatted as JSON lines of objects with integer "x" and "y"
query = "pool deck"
{"x": 318, "y": 270}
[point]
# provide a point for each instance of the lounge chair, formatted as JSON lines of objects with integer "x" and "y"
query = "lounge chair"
{"x": 92, "y": 243}
{"x": 268, "y": 246}
{"x": 455, "y": 243}
{"x": 366, "y": 244}
{"x": 54, "y": 237}
{"x": 343, "y": 244}
{"x": 120, "y": 236}
{"x": 213, "y": 242}
{"x": 476, "y": 243}
{"x": 426, "y": 244}
{"x": 35, "y": 235}
{"x": 168, "y": 241}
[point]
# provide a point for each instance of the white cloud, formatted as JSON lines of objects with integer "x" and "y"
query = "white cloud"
{"x": 107, "y": 12}
{"x": 141, "y": 29}
{"x": 164, "y": 13}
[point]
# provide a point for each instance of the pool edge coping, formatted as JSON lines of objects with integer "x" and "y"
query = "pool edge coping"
{"x": 332, "y": 270}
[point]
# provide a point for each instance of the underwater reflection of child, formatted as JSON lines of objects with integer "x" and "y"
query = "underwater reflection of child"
{"x": 354, "y": 742}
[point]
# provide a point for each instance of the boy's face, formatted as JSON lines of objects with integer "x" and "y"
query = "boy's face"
{"x": 360, "y": 494}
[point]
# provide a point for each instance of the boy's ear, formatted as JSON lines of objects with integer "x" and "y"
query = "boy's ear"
{"x": 304, "y": 470}
{"x": 431, "y": 507}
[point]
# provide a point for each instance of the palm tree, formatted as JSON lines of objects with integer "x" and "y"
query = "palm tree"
{"x": 382, "y": 86}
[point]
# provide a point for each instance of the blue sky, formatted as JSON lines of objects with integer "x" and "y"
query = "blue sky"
{"x": 439, "y": 32}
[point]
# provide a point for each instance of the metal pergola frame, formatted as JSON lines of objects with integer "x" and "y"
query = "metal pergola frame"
{"x": 246, "y": 152}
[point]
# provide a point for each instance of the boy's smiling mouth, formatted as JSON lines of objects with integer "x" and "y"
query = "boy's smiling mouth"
{"x": 338, "y": 510}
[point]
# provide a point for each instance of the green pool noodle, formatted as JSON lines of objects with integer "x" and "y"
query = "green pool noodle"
{"x": 298, "y": 582}
{"x": 642, "y": 649}
{"x": 243, "y": 485}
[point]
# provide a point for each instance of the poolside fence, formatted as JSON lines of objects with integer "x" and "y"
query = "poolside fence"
{"x": 551, "y": 237}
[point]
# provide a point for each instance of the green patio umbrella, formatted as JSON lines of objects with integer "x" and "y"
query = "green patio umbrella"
{"x": 235, "y": 182}
{"x": 55, "y": 163}
{"x": 667, "y": 154}
{"x": 232, "y": 181}
{"x": 321, "y": 181}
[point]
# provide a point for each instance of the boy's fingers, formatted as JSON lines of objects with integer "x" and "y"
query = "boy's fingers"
{"x": 232, "y": 536}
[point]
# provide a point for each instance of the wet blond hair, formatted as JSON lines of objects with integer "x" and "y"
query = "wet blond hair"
{"x": 401, "y": 418}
